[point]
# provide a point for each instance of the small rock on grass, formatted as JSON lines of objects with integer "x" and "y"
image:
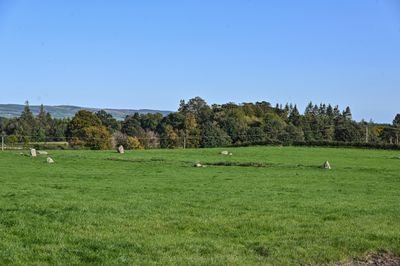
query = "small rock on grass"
{"x": 33, "y": 153}
{"x": 121, "y": 149}
{"x": 50, "y": 160}
{"x": 327, "y": 165}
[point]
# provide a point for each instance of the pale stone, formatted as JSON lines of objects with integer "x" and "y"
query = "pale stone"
{"x": 42, "y": 153}
{"x": 224, "y": 153}
{"x": 49, "y": 160}
{"x": 121, "y": 149}
{"x": 327, "y": 165}
{"x": 33, "y": 153}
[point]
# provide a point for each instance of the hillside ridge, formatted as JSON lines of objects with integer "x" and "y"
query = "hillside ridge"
{"x": 66, "y": 111}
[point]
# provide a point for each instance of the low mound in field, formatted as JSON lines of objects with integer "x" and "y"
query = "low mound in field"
{"x": 373, "y": 259}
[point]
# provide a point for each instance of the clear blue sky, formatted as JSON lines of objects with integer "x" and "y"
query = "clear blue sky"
{"x": 151, "y": 54}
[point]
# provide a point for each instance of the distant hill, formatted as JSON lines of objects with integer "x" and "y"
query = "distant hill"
{"x": 65, "y": 111}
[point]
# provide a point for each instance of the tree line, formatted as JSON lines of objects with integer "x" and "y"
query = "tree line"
{"x": 197, "y": 124}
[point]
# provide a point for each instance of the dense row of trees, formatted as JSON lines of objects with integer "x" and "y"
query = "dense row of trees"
{"x": 27, "y": 127}
{"x": 197, "y": 124}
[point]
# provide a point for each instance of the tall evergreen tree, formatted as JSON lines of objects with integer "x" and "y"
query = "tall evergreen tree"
{"x": 396, "y": 121}
{"x": 295, "y": 117}
{"x": 26, "y": 123}
{"x": 347, "y": 113}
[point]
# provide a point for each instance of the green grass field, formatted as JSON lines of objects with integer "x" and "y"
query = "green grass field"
{"x": 263, "y": 205}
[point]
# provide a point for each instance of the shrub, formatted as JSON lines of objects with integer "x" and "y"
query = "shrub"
{"x": 97, "y": 138}
{"x": 129, "y": 143}
{"x": 119, "y": 139}
{"x": 134, "y": 144}
{"x": 11, "y": 140}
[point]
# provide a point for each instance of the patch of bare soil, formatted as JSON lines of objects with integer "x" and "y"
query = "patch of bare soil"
{"x": 373, "y": 259}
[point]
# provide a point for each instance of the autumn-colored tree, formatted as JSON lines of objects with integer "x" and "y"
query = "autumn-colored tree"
{"x": 97, "y": 138}
{"x": 134, "y": 144}
{"x": 82, "y": 120}
{"x": 191, "y": 132}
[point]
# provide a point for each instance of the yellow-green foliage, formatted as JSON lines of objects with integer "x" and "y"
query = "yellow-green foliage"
{"x": 134, "y": 144}
{"x": 97, "y": 138}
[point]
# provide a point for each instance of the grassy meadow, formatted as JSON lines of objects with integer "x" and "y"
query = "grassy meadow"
{"x": 261, "y": 206}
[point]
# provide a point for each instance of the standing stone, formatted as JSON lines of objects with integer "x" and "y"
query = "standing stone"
{"x": 327, "y": 165}
{"x": 33, "y": 153}
{"x": 49, "y": 160}
{"x": 121, "y": 149}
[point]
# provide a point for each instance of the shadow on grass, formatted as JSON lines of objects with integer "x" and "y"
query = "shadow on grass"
{"x": 136, "y": 160}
